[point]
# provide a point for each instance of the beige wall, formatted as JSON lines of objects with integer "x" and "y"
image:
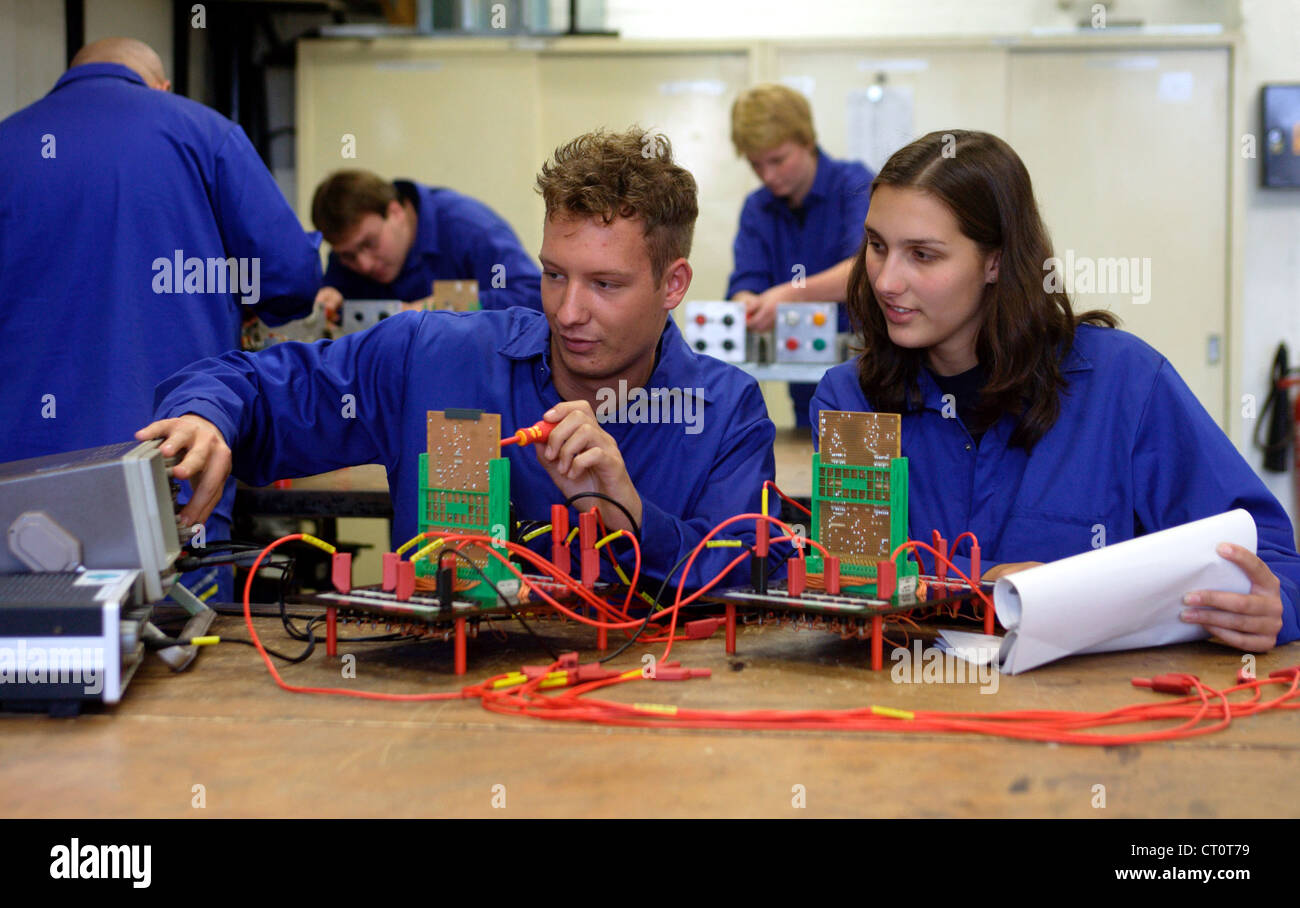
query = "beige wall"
{"x": 149, "y": 21}
{"x": 783, "y": 19}
{"x": 31, "y": 52}
{"x": 32, "y": 41}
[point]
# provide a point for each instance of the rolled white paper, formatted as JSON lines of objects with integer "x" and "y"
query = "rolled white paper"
{"x": 1122, "y": 596}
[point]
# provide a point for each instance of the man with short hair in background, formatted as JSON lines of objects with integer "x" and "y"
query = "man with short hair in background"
{"x": 800, "y": 231}
{"x": 393, "y": 240}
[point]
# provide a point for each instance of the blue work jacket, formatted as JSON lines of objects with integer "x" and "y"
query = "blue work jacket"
{"x": 1132, "y": 452}
{"x": 773, "y": 239}
{"x": 298, "y": 409}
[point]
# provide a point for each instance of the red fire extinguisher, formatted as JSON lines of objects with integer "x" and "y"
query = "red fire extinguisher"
{"x": 1283, "y": 421}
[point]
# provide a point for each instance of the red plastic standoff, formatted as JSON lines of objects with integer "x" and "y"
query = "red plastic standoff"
{"x": 587, "y": 541}
{"x": 405, "y": 580}
{"x": 796, "y": 577}
{"x": 341, "y": 571}
{"x": 831, "y": 573}
{"x": 559, "y": 537}
{"x": 391, "y": 560}
{"x": 886, "y": 579}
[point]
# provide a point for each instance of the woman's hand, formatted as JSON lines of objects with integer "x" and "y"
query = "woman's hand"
{"x": 1011, "y": 567}
{"x": 1249, "y": 621}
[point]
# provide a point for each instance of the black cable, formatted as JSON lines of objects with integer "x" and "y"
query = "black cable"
{"x": 237, "y": 611}
{"x": 292, "y": 660}
{"x": 286, "y": 573}
{"x": 225, "y": 545}
{"x": 236, "y": 544}
{"x": 636, "y": 528}
{"x": 187, "y": 563}
{"x": 657, "y": 597}
{"x": 523, "y": 528}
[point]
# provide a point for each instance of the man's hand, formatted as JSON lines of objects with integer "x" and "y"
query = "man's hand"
{"x": 1249, "y": 621}
{"x": 580, "y": 456}
{"x": 760, "y": 312}
{"x": 332, "y": 302}
{"x": 1011, "y": 567}
{"x": 207, "y": 456}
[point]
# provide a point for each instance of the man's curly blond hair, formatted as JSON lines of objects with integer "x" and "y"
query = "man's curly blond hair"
{"x": 625, "y": 175}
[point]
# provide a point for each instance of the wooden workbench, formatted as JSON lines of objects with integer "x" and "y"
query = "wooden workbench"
{"x": 258, "y": 751}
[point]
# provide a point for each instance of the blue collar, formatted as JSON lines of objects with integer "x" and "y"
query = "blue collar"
{"x": 820, "y": 188}
{"x": 99, "y": 71}
{"x": 678, "y": 367}
{"x": 932, "y": 396}
{"x": 822, "y": 181}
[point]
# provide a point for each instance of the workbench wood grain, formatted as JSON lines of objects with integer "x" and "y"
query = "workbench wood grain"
{"x": 262, "y": 752}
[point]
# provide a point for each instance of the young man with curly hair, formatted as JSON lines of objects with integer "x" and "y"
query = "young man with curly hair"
{"x": 619, "y": 221}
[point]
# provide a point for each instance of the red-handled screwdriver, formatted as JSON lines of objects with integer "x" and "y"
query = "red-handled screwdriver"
{"x": 538, "y": 432}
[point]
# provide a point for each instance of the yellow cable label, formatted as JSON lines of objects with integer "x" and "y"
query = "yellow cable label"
{"x": 661, "y": 709}
{"x": 205, "y": 641}
{"x": 891, "y": 713}
{"x": 319, "y": 543}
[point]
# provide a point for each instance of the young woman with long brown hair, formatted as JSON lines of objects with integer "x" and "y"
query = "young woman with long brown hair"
{"x": 1043, "y": 432}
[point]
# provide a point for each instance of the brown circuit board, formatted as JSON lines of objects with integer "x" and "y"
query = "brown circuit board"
{"x": 457, "y": 296}
{"x": 460, "y": 444}
{"x": 853, "y": 520}
{"x": 861, "y": 439}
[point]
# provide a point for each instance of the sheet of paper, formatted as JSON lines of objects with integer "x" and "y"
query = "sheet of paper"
{"x": 977, "y": 649}
{"x": 1123, "y": 596}
{"x": 878, "y": 122}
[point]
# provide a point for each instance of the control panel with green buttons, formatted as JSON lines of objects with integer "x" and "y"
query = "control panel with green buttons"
{"x": 805, "y": 333}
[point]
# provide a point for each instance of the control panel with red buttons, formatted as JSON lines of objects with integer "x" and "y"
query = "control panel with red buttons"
{"x": 805, "y": 333}
{"x": 716, "y": 327}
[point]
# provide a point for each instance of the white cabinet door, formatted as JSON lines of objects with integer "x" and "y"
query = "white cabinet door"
{"x": 1128, "y": 154}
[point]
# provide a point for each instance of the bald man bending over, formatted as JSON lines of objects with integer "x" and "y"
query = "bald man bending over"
{"x": 134, "y": 55}
{"x": 136, "y": 229}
